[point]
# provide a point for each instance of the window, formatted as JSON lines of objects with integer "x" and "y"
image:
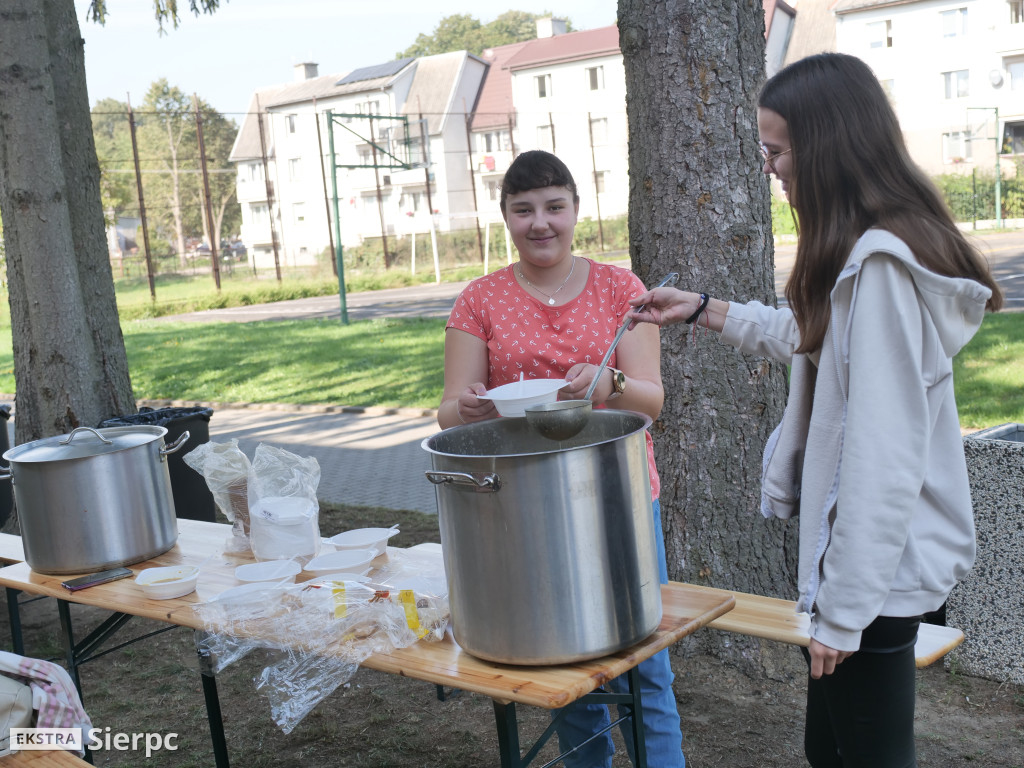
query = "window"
{"x": 880, "y": 34}
{"x": 595, "y": 78}
{"x": 1016, "y": 71}
{"x": 956, "y": 147}
{"x": 494, "y": 141}
{"x": 1013, "y": 139}
{"x": 299, "y": 212}
{"x": 954, "y": 23}
{"x": 543, "y": 86}
{"x": 493, "y": 187}
{"x": 255, "y": 172}
{"x": 599, "y": 130}
{"x": 295, "y": 169}
{"x": 545, "y": 138}
{"x": 365, "y": 156}
{"x": 289, "y": 121}
{"x": 956, "y": 84}
{"x": 1016, "y": 11}
{"x": 260, "y": 218}
{"x": 599, "y": 178}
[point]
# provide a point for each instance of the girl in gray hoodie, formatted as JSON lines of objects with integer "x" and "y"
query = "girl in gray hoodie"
{"x": 884, "y": 292}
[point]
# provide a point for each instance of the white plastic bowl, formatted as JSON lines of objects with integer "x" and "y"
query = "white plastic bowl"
{"x": 168, "y": 582}
{"x": 364, "y": 538}
{"x": 511, "y": 399}
{"x": 344, "y": 561}
{"x": 268, "y": 570}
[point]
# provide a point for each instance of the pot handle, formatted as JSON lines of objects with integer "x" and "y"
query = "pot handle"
{"x": 5, "y": 473}
{"x": 74, "y": 432}
{"x": 176, "y": 445}
{"x": 489, "y": 483}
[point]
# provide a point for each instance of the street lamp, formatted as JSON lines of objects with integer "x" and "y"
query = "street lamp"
{"x": 999, "y": 188}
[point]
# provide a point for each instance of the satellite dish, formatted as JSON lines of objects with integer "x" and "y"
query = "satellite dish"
{"x": 996, "y": 78}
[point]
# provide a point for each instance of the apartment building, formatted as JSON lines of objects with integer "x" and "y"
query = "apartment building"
{"x": 381, "y": 174}
{"x": 954, "y": 70}
{"x": 445, "y": 129}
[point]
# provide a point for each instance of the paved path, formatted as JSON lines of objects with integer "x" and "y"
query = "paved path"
{"x": 372, "y": 458}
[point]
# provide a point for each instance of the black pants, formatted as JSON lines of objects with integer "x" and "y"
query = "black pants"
{"x": 862, "y": 715}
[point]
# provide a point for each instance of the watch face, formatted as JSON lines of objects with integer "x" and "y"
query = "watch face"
{"x": 618, "y": 380}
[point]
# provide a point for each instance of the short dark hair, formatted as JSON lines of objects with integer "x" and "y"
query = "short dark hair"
{"x": 536, "y": 169}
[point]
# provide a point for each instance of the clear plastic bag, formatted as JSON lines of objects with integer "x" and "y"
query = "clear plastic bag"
{"x": 318, "y": 632}
{"x": 226, "y": 470}
{"x": 283, "y": 508}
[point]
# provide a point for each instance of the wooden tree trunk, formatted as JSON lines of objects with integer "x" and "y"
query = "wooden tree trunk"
{"x": 699, "y": 205}
{"x": 70, "y": 364}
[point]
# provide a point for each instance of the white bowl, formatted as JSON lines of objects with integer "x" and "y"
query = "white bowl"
{"x": 364, "y": 538}
{"x": 268, "y": 570}
{"x": 511, "y": 399}
{"x": 352, "y": 561}
{"x": 252, "y": 593}
{"x": 168, "y": 582}
{"x": 330, "y": 578}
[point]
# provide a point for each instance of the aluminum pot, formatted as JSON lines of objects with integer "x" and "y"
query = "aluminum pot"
{"x": 548, "y": 547}
{"x": 95, "y": 498}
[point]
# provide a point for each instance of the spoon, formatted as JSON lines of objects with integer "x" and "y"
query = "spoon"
{"x": 566, "y": 418}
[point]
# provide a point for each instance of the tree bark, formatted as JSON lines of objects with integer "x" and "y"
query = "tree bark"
{"x": 699, "y": 205}
{"x": 70, "y": 364}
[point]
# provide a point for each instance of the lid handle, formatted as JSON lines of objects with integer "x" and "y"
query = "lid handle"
{"x": 71, "y": 437}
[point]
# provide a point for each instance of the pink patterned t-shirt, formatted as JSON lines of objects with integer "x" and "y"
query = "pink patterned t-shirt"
{"x": 524, "y": 334}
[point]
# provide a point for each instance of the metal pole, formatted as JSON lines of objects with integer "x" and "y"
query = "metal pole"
{"x": 323, "y": 174}
{"x": 380, "y": 198}
{"x": 269, "y": 186}
{"x": 597, "y": 196}
{"x": 142, "y": 203}
{"x": 337, "y": 220}
{"x": 472, "y": 183}
{"x": 999, "y": 176}
{"x": 208, "y": 209}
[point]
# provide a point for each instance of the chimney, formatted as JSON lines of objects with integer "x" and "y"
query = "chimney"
{"x": 305, "y": 71}
{"x": 549, "y": 27}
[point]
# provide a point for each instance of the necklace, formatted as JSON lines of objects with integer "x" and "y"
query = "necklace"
{"x": 551, "y": 296}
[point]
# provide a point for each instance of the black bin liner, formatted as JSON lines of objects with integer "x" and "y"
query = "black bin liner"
{"x": 6, "y": 489}
{"x": 192, "y": 497}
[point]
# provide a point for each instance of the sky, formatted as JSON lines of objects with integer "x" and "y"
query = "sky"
{"x": 251, "y": 44}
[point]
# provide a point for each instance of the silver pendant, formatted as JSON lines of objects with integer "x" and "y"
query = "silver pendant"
{"x": 551, "y": 302}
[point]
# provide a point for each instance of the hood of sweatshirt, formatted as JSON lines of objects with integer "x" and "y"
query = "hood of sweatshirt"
{"x": 956, "y": 304}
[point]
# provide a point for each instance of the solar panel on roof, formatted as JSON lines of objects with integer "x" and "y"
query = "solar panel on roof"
{"x": 378, "y": 70}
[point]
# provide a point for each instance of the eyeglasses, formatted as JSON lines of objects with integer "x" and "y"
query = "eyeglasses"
{"x": 770, "y": 158}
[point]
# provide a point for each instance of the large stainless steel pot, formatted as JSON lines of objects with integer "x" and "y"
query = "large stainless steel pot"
{"x": 94, "y": 499}
{"x": 548, "y": 547}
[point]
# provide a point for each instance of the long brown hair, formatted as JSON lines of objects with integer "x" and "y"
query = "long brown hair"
{"x": 852, "y": 171}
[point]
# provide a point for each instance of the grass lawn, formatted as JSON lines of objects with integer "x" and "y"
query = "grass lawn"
{"x": 399, "y": 363}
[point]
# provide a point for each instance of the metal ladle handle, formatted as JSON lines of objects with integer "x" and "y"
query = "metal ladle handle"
{"x": 671, "y": 279}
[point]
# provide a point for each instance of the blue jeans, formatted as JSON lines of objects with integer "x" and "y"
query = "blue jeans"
{"x": 662, "y": 733}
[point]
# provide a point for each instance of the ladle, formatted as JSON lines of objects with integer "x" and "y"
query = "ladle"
{"x": 567, "y": 418}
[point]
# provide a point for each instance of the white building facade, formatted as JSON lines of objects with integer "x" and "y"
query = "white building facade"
{"x": 954, "y": 70}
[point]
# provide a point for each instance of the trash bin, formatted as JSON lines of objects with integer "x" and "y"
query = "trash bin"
{"x": 988, "y": 604}
{"x": 6, "y": 489}
{"x": 192, "y": 497}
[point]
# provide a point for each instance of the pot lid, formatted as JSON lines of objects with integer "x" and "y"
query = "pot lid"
{"x": 83, "y": 443}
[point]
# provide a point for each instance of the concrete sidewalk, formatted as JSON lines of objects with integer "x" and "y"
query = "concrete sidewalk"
{"x": 367, "y": 458}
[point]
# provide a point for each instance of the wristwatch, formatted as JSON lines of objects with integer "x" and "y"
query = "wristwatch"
{"x": 618, "y": 381}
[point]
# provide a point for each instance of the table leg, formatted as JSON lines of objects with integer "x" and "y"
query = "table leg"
{"x": 14, "y": 616}
{"x": 212, "y": 699}
{"x": 508, "y": 734}
{"x": 637, "y": 711}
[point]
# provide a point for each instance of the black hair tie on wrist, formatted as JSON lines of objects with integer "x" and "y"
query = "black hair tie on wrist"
{"x": 704, "y": 299}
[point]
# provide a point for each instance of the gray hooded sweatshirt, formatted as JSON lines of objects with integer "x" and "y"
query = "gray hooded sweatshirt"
{"x": 869, "y": 451}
